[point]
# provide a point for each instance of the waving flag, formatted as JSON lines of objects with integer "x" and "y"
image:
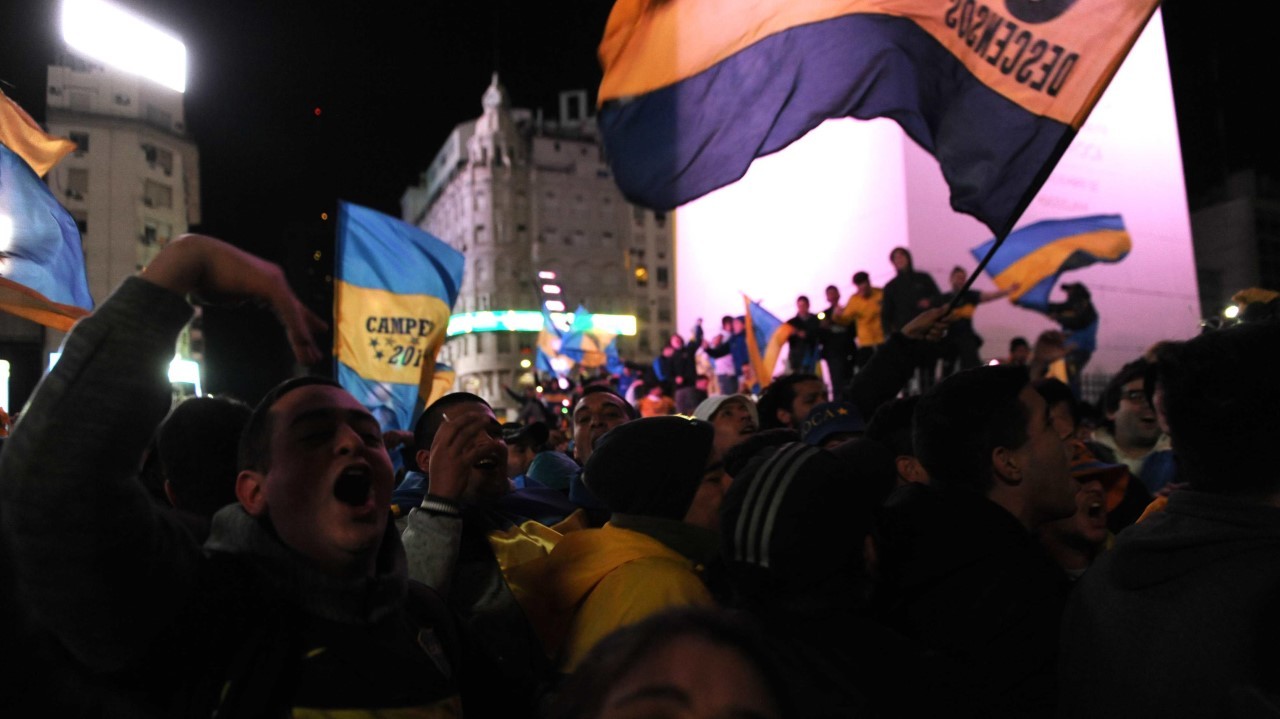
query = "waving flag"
{"x": 1034, "y": 256}
{"x": 42, "y": 275}
{"x": 994, "y": 89}
{"x": 18, "y": 132}
{"x": 590, "y": 347}
{"x": 396, "y": 285}
{"x": 766, "y": 335}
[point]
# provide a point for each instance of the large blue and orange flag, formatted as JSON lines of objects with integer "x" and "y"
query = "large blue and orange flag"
{"x": 1033, "y": 257}
{"x": 20, "y": 133}
{"x": 42, "y": 275}
{"x": 766, "y": 336}
{"x": 396, "y": 286}
{"x": 693, "y": 91}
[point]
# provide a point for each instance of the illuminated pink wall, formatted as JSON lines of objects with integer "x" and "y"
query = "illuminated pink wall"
{"x": 840, "y": 198}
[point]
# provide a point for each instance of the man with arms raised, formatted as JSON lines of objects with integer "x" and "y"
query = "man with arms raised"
{"x": 298, "y": 602}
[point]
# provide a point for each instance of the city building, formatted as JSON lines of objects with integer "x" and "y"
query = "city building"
{"x": 521, "y": 195}
{"x": 1237, "y": 239}
{"x": 133, "y": 182}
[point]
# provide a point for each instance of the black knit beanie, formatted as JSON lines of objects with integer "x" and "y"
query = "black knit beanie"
{"x": 650, "y": 467}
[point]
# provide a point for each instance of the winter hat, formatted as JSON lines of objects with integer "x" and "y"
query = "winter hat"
{"x": 801, "y": 512}
{"x": 650, "y": 467}
{"x": 709, "y": 406}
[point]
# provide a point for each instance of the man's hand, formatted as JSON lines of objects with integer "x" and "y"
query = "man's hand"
{"x": 394, "y": 438}
{"x": 211, "y": 268}
{"x": 454, "y": 451}
{"x": 929, "y": 325}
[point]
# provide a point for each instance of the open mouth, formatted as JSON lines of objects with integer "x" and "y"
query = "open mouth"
{"x": 1094, "y": 510}
{"x": 486, "y": 464}
{"x": 353, "y": 486}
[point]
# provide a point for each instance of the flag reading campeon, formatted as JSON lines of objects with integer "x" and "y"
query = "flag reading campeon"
{"x": 42, "y": 276}
{"x": 766, "y": 336}
{"x": 395, "y": 288}
{"x": 994, "y": 89}
{"x": 1033, "y": 257}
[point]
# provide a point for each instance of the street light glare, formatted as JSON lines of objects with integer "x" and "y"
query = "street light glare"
{"x": 1231, "y": 312}
{"x": 114, "y": 36}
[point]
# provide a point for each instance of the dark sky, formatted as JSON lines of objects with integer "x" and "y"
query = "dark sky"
{"x": 392, "y": 77}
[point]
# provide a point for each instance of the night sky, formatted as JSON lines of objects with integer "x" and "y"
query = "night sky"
{"x": 392, "y": 78}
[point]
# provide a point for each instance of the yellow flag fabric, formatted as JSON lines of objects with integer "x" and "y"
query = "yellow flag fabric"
{"x": 20, "y": 133}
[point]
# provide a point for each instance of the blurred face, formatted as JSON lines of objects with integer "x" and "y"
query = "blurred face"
{"x": 833, "y": 295}
{"x": 863, "y": 287}
{"x": 487, "y": 479}
{"x": 802, "y": 307}
{"x": 739, "y": 325}
{"x": 677, "y": 341}
{"x": 691, "y": 678}
{"x": 733, "y": 424}
{"x": 1135, "y": 418}
{"x": 809, "y": 394}
{"x": 1020, "y": 354}
{"x": 1045, "y": 463}
{"x": 957, "y": 280}
{"x": 519, "y": 457}
{"x": 328, "y": 489}
{"x": 595, "y": 414}
{"x": 1063, "y": 424}
{"x": 1084, "y": 532}
{"x": 899, "y": 259}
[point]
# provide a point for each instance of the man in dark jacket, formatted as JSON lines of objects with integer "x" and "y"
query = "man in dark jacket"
{"x": 298, "y": 602}
{"x": 962, "y": 573}
{"x": 906, "y": 295}
{"x": 1179, "y": 619}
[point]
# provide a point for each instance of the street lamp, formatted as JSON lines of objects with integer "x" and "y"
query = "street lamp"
{"x": 116, "y": 37}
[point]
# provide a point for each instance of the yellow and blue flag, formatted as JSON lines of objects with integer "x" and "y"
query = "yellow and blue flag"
{"x": 1033, "y": 257}
{"x": 589, "y": 347}
{"x": 396, "y": 286}
{"x": 42, "y": 275}
{"x": 766, "y": 336}
{"x": 20, "y": 133}
{"x": 994, "y": 89}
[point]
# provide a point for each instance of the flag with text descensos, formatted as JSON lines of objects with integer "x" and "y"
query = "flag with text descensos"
{"x": 994, "y": 89}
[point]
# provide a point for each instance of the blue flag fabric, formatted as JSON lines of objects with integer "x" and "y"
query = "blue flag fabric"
{"x": 42, "y": 275}
{"x": 766, "y": 336}
{"x": 396, "y": 286}
{"x": 1033, "y": 257}
{"x": 590, "y": 347}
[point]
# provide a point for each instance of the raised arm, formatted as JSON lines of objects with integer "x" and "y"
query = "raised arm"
{"x": 99, "y": 565}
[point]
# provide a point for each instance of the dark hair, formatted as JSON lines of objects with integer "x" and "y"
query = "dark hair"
{"x": 860, "y": 277}
{"x": 959, "y": 269}
{"x": 1017, "y": 342}
{"x": 963, "y": 419}
{"x": 613, "y": 658}
{"x": 911, "y": 264}
{"x": 424, "y": 430}
{"x": 891, "y": 424}
{"x": 741, "y": 453}
{"x": 726, "y": 320}
{"x": 803, "y": 297}
{"x": 780, "y": 394}
{"x": 255, "y": 444}
{"x": 1055, "y": 391}
{"x": 632, "y": 412}
{"x": 198, "y": 444}
{"x": 1110, "y": 399}
{"x": 1220, "y": 394}
{"x": 832, "y": 287}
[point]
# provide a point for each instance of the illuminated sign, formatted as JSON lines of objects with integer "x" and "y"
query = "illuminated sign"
{"x": 531, "y": 321}
{"x": 110, "y": 34}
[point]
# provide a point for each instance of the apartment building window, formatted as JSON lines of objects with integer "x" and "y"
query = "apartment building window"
{"x": 663, "y": 278}
{"x": 82, "y": 142}
{"x": 155, "y": 194}
{"x": 77, "y": 183}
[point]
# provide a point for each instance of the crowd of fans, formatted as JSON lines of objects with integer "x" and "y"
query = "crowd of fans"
{"x": 974, "y": 543}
